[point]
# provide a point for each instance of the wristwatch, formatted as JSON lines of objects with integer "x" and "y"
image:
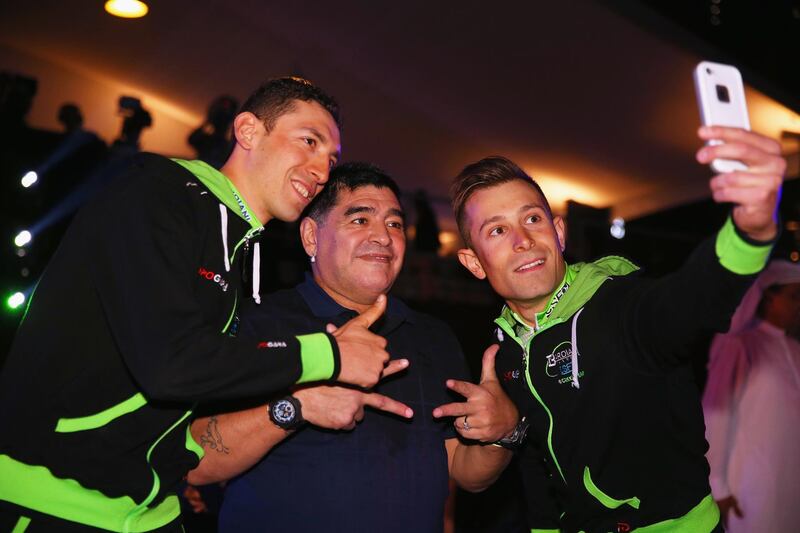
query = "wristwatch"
{"x": 517, "y": 437}
{"x": 286, "y": 413}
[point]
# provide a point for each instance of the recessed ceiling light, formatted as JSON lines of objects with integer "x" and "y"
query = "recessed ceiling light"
{"x": 129, "y": 9}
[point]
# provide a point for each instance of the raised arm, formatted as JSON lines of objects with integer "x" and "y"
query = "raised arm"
{"x": 664, "y": 318}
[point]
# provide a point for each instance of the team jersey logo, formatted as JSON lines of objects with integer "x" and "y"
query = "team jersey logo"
{"x": 559, "y": 363}
{"x": 213, "y": 276}
{"x": 242, "y": 207}
{"x": 271, "y": 344}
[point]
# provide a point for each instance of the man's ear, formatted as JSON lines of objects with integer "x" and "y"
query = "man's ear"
{"x": 470, "y": 260}
{"x": 246, "y": 128}
{"x": 308, "y": 235}
{"x": 561, "y": 232}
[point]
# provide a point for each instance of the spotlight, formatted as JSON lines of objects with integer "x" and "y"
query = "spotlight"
{"x": 23, "y": 238}
{"x": 618, "y": 228}
{"x": 29, "y": 179}
{"x": 15, "y": 300}
{"x": 127, "y": 9}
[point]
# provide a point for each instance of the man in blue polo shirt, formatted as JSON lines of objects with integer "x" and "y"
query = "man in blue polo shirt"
{"x": 391, "y": 472}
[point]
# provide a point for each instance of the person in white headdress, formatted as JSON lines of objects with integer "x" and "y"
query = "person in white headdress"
{"x": 752, "y": 408}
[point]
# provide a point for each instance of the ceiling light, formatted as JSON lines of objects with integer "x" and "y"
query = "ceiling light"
{"x": 15, "y": 300}
{"x": 29, "y": 179}
{"x": 618, "y": 228}
{"x": 23, "y": 238}
{"x": 128, "y": 9}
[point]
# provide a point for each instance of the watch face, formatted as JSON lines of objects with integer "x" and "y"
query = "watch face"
{"x": 283, "y": 411}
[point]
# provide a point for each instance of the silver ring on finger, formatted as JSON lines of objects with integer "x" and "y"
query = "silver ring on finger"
{"x": 466, "y": 425}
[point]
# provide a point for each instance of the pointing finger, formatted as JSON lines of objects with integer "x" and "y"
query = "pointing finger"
{"x": 388, "y": 405}
{"x": 394, "y": 366}
{"x": 464, "y": 388}
{"x": 452, "y": 409}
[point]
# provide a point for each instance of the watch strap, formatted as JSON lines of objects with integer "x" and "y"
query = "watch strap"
{"x": 517, "y": 437}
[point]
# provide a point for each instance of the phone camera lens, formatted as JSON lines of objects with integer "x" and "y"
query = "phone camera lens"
{"x": 708, "y": 71}
{"x": 722, "y": 94}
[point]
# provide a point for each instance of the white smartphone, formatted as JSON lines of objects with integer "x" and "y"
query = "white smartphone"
{"x": 720, "y": 97}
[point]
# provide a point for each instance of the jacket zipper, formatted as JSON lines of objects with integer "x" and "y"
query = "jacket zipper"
{"x": 526, "y": 359}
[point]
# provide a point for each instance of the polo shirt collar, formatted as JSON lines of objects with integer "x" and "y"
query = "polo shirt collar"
{"x": 323, "y": 306}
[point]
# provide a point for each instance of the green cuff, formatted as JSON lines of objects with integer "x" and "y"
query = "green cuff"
{"x": 738, "y": 255}
{"x": 316, "y": 357}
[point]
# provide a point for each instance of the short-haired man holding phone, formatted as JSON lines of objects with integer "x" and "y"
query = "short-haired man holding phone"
{"x": 596, "y": 356}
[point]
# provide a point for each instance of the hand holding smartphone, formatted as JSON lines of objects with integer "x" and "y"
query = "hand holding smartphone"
{"x": 720, "y": 97}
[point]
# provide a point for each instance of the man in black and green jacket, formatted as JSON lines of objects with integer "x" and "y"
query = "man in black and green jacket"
{"x": 596, "y": 357}
{"x": 134, "y": 322}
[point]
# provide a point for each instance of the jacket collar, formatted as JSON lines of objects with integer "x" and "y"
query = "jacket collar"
{"x": 580, "y": 282}
{"x": 221, "y": 187}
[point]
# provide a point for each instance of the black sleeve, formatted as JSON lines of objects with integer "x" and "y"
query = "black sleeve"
{"x": 144, "y": 259}
{"x": 662, "y": 320}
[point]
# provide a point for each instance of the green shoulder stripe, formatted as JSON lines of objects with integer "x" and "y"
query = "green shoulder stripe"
{"x": 588, "y": 277}
{"x": 221, "y": 187}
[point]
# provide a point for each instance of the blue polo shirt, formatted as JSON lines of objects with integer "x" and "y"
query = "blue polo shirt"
{"x": 388, "y": 474}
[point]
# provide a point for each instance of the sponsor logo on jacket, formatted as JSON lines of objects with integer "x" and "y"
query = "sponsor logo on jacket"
{"x": 559, "y": 363}
{"x": 271, "y": 344}
{"x": 242, "y": 208}
{"x": 213, "y": 276}
{"x": 556, "y": 299}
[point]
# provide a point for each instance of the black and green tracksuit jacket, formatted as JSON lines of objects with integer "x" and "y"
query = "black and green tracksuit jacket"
{"x": 128, "y": 329}
{"x": 617, "y": 435}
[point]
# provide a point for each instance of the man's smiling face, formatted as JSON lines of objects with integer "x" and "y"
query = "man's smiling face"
{"x": 360, "y": 246}
{"x": 515, "y": 243}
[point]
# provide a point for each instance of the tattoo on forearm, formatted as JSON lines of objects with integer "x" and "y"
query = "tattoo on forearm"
{"x": 212, "y": 438}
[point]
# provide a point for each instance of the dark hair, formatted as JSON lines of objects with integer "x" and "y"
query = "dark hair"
{"x": 350, "y": 176}
{"x": 277, "y": 97}
{"x": 488, "y": 172}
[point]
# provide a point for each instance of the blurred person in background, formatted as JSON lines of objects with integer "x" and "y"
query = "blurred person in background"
{"x": 752, "y": 408}
{"x": 213, "y": 141}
